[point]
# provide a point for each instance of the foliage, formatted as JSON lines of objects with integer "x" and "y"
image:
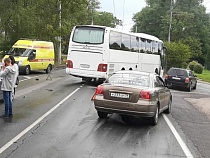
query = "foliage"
{"x": 177, "y": 54}
{"x": 184, "y": 65}
{"x": 192, "y": 65}
{"x": 40, "y": 19}
{"x": 198, "y": 68}
{"x": 205, "y": 76}
{"x": 190, "y": 25}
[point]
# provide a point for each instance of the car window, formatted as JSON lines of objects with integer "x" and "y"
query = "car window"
{"x": 172, "y": 72}
{"x": 130, "y": 79}
{"x": 177, "y": 72}
{"x": 158, "y": 82}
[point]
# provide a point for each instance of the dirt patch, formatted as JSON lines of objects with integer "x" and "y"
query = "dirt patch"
{"x": 202, "y": 104}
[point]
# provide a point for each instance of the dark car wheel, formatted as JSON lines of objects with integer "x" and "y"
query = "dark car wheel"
{"x": 189, "y": 88}
{"x": 27, "y": 70}
{"x": 168, "y": 110}
{"x": 195, "y": 86}
{"x": 154, "y": 120}
{"x": 102, "y": 114}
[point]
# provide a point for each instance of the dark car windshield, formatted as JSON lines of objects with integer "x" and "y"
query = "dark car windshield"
{"x": 130, "y": 79}
{"x": 88, "y": 35}
{"x": 177, "y": 72}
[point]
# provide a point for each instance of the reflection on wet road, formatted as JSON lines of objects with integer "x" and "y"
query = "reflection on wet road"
{"x": 73, "y": 128}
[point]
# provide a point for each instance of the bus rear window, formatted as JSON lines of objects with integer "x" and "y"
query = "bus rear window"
{"x": 88, "y": 35}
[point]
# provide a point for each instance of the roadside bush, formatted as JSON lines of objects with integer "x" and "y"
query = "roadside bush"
{"x": 184, "y": 65}
{"x": 198, "y": 68}
{"x": 192, "y": 65}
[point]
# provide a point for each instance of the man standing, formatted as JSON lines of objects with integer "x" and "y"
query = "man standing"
{"x": 7, "y": 73}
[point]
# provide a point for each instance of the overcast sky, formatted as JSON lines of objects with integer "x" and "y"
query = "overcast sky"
{"x": 130, "y": 8}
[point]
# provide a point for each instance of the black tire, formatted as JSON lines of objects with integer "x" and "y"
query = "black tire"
{"x": 125, "y": 118}
{"x": 195, "y": 86}
{"x": 27, "y": 70}
{"x": 168, "y": 110}
{"x": 102, "y": 114}
{"x": 49, "y": 69}
{"x": 154, "y": 120}
{"x": 189, "y": 88}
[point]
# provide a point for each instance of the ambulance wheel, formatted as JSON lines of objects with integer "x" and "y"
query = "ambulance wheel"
{"x": 27, "y": 70}
{"x": 49, "y": 69}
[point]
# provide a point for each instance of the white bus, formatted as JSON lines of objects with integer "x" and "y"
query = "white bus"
{"x": 95, "y": 52}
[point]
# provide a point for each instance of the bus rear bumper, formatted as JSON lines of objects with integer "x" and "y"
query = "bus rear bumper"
{"x": 86, "y": 73}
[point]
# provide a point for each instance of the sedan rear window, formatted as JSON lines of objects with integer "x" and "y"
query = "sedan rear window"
{"x": 130, "y": 79}
{"x": 177, "y": 72}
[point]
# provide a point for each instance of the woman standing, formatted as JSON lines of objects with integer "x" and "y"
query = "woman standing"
{"x": 15, "y": 67}
{"x": 7, "y": 73}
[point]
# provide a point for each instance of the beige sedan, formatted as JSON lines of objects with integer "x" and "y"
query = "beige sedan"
{"x": 133, "y": 93}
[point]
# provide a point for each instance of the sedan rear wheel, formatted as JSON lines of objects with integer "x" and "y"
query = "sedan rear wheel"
{"x": 168, "y": 110}
{"x": 102, "y": 114}
{"x": 154, "y": 120}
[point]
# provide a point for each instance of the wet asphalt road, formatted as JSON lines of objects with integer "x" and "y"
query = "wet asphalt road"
{"x": 73, "y": 129}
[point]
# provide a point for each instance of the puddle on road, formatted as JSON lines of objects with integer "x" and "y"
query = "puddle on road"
{"x": 202, "y": 104}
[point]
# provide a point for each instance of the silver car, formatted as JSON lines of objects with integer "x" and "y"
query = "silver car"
{"x": 133, "y": 93}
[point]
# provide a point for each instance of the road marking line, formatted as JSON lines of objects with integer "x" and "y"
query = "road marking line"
{"x": 7, "y": 145}
{"x": 178, "y": 138}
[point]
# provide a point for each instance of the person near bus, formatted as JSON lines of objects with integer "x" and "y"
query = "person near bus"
{"x": 8, "y": 74}
{"x": 16, "y": 80}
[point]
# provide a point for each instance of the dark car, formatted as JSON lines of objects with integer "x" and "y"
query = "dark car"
{"x": 132, "y": 93}
{"x": 182, "y": 78}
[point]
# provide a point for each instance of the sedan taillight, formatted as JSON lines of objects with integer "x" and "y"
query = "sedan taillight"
{"x": 187, "y": 80}
{"x": 99, "y": 90}
{"x": 145, "y": 94}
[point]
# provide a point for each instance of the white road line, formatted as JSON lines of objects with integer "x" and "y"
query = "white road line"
{"x": 178, "y": 138}
{"x": 7, "y": 145}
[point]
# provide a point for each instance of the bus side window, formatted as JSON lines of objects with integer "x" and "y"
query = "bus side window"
{"x": 134, "y": 44}
{"x": 143, "y": 45}
{"x": 115, "y": 40}
{"x": 126, "y": 42}
{"x": 148, "y": 46}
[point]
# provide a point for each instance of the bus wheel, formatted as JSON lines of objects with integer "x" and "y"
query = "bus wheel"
{"x": 27, "y": 70}
{"x": 49, "y": 69}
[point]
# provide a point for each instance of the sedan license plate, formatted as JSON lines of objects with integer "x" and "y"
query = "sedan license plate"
{"x": 176, "y": 78}
{"x": 119, "y": 95}
{"x": 84, "y": 66}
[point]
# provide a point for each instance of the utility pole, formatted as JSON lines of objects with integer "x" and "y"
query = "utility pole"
{"x": 170, "y": 23}
{"x": 59, "y": 38}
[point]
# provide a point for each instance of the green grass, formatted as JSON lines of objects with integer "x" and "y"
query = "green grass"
{"x": 205, "y": 76}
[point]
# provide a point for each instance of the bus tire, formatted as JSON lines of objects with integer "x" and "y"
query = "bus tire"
{"x": 27, "y": 70}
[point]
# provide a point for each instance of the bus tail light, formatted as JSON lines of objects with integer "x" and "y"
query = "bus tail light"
{"x": 69, "y": 64}
{"x": 102, "y": 67}
{"x": 187, "y": 80}
{"x": 145, "y": 94}
{"x": 99, "y": 91}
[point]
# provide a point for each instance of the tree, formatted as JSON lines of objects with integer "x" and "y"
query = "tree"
{"x": 106, "y": 19}
{"x": 177, "y": 54}
{"x": 190, "y": 25}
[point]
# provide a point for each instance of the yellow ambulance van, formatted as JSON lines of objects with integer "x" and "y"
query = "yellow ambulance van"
{"x": 33, "y": 55}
